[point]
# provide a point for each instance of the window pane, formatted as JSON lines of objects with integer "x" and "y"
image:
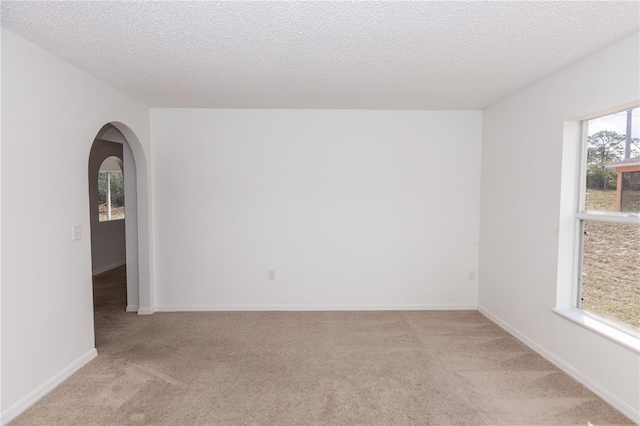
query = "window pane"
{"x": 117, "y": 196}
{"x": 114, "y": 181}
{"x": 102, "y": 196}
{"x": 613, "y": 147}
{"x": 611, "y": 271}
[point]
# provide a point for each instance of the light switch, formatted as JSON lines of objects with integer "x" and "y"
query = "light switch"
{"x": 77, "y": 232}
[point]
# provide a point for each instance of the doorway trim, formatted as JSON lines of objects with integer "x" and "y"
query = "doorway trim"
{"x": 138, "y": 224}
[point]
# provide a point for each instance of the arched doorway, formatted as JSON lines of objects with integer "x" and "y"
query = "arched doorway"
{"x": 138, "y": 227}
{"x": 109, "y": 189}
{"x": 118, "y": 141}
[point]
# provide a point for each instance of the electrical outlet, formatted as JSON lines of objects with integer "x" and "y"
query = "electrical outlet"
{"x": 471, "y": 275}
{"x": 271, "y": 275}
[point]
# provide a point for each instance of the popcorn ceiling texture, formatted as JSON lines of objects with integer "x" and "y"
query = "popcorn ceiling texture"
{"x": 336, "y": 55}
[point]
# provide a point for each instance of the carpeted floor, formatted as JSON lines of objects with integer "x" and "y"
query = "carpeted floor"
{"x": 308, "y": 368}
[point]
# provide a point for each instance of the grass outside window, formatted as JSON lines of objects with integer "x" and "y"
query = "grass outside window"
{"x": 611, "y": 265}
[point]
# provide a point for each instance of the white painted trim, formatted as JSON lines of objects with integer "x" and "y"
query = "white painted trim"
{"x": 143, "y": 310}
{"x": 594, "y": 387}
{"x": 400, "y": 307}
{"x": 109, "y": 267}
{"x": 19, "y": 407}
{"x": 132, "y": 308}
{"x": 609, "y": 217}
{"x": 600, "y": 326}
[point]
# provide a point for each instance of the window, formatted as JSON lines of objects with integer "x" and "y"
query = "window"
{"x": 110, "y": 190}
{"x": 608, "y": 278}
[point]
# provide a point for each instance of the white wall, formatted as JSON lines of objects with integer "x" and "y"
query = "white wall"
{"x": 520, "y": 212}
{"x": 131, "y": 228}
{"x": 51, "y": 113}
{"x": 108, "y": 242}
{"x": 353, "y": 209}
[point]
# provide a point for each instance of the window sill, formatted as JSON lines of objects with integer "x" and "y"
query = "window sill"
{"x": 590, "y": 323}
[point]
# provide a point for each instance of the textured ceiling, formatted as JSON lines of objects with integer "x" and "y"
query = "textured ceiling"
{"x": 340, "y": 55}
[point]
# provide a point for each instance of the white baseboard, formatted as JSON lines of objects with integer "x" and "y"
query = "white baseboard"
{"x": 132, "y": 308}
{"x": 594, "y": 387}
{"x": 19, "y": 407}
{"x": 399, "y": 307}
{"x": 109, "y": 267}
{"x": 145, "y": 310}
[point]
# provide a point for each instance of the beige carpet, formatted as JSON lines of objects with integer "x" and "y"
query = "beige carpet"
{"x": 308, "y": 368}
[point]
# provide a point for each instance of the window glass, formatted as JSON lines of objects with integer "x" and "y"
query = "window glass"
{"x": 110, "y": 190}
{"x": 609, "y": 151}
{"x": 609, "y": 241}
{"x": 611, "y": 271}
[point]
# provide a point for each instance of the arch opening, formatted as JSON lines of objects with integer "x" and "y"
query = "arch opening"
{"x": 123, "y": 238}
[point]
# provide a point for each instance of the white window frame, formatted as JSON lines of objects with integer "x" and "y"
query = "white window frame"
{"x": 575, "y": 170}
